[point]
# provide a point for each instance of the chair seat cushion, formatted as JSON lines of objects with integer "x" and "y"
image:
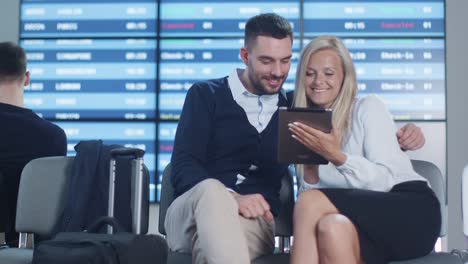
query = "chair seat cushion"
{"x": 16, "y": 256}
{"x": 280, "y": 258}
{"x": 433, "y": 258}
{"x": 179, "y": 258}
{"x": 185, "y": 258}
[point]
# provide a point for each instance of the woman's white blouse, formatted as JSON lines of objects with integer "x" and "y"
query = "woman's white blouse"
{"x": 374, "y": 158}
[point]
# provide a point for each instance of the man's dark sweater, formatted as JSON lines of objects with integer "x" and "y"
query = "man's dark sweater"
{"x": 214, "y": 139}
{"x": 23, "y": 136}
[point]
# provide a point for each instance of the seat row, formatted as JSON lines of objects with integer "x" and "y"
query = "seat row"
{"x": 43, "y": 190}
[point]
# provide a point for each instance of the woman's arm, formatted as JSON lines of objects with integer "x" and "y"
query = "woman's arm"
{"x": 376, "y": 160}
{"x": 379, "y": 163}
{"x": 311, "y": 174}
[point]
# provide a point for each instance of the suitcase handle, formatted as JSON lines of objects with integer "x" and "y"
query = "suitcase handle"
{"x": 105, "y": 220}
{"x": 136, "y": 152}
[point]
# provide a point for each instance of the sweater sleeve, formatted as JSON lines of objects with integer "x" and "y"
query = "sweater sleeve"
{"x": 383, "y": 161}
{"x": 379, "y": 164}
{"x": 189, "y": 155}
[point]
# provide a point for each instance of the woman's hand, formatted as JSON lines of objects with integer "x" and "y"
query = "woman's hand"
{"x": 326, "y": 145}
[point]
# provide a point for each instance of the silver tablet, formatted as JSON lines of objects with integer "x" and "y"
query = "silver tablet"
{"x": 290, "y": 150}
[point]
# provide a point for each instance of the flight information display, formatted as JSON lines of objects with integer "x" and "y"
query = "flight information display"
{"x": 119, "y": 70}
{"x": 185, "y": 61}
{"x": 92, "y": 78}
{"x": 140, "y": 135}
{"x": 368, "y": 18}
{"x": 88, "y": 18}
{"x": 219, "y": 18}
{"x": 408, "y": 74}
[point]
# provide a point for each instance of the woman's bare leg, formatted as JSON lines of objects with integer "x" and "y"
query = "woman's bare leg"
{"x": 338, "y": 241}
{"x": 310, "y": 207}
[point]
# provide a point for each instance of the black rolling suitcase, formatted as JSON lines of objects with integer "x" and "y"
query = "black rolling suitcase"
{"x": 130, "y": 159}
{"x": 118, "y": 244}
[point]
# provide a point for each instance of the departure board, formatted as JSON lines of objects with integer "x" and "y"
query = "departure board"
{"x": 181, "y": 66}
{"x": 88, "y": 18}
{"x": 345, "y": 18}
{"x": 92, "y": 78}
{"x": 219, "y": 18}
{"x": 95, "y": 60}
{"x": 408, "y": 74}
{"x": 118, "y": 69}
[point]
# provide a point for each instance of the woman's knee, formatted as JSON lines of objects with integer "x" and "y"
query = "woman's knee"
{"x": 336, "y": 228}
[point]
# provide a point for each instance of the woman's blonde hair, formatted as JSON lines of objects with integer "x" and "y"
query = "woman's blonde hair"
{"x": 342, "y": 106}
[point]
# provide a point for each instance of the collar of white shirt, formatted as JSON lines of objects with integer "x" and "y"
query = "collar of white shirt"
{"x": 258, "y": 108}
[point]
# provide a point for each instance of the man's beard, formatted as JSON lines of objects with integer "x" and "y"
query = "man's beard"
{"x": 262, "y": 88}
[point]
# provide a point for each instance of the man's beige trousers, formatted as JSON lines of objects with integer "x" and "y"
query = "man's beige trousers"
{"x": 205, "y": 221}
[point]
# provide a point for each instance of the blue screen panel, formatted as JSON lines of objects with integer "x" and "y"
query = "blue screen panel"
{"x": 410, "y": 69}
{"x": 374, "y": 18}
{"x": 60, "y": 19}
{"x": 186, "y": 61}
{"x": 219, "y": 18}
{"x": 92, "y": 78}
{"x": 408, "y": 74}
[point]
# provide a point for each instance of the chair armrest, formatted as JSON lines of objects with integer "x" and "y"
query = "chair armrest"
{"x": 465, "y": 200}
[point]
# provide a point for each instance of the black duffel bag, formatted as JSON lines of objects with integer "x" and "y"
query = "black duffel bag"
{"x": 93, "y": 248}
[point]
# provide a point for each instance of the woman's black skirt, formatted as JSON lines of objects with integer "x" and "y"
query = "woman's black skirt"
{"x": 403, "y": 223}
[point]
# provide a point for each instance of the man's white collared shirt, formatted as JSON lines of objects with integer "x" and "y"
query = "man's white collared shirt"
{"x": 258, "y": 108}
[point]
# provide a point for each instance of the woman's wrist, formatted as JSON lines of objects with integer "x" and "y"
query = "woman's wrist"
{"x": 339, "y": 159}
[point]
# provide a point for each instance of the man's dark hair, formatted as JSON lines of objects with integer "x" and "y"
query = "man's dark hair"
{"x": 12, "y": 61}
{"x": 269, "y": 25}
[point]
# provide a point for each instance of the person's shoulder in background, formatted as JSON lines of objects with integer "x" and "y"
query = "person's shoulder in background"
{"x": 50, "y": 134}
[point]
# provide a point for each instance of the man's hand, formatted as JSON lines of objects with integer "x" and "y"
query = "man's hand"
{"x": 253, "y": 206}
{"x": 410, "y": 137}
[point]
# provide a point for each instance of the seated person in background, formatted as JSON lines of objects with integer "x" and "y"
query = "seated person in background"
{"x": 367, "y": 205}
{"x": 23, "y": 135}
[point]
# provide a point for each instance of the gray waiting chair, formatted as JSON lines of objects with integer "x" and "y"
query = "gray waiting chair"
{"x": 430, "y": 171}
{"x": 41, "y": 200}
{"x": 463, "y": 253}
{"x": 283, "y": 223}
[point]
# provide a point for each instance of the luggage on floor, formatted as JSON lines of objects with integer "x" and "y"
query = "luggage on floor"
{"x": 97, "y": 248}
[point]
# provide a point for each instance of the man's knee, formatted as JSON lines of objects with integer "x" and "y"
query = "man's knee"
{"x": 211, "y": 192}
{"x": 210, "y": 185}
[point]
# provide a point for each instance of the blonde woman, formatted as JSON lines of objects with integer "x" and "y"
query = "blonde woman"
{"x": 367, "y": 205}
